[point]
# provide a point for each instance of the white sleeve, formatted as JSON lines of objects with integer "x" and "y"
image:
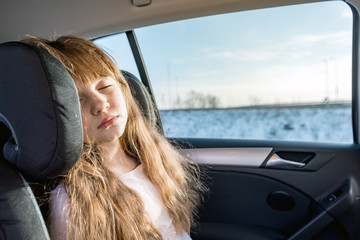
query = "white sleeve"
{"x": 59, "y": 212}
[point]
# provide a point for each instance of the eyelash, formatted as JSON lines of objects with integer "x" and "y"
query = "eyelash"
{"x": 102, "y": 88}
{"x": 107, "y": 86}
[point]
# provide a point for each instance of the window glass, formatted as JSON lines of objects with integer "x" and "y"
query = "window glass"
{"x": 279, "y": 73}
{"x": 117, "y": 46}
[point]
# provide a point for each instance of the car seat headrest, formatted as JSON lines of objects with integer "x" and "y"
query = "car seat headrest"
{"x": 141, "y": 96}
{"x": 39, "y": 106}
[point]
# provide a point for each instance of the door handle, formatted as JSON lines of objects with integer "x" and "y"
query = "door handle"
{"x": 277, "y": 162}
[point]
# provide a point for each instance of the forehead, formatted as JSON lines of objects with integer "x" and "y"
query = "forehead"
{"x": 92, "y": 82}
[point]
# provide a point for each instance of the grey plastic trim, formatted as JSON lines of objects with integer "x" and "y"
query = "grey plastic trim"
{"x": 354, "y": 3}
{"x": 248, "y": 157}
{"x": 313, "y": 227}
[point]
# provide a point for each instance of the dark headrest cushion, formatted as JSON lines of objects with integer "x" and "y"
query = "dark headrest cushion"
{"x": 39, "y": 104}
{"x": 141, "y": 95}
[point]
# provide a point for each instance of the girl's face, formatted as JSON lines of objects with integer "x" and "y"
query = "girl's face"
{"x": 103, "y": 110}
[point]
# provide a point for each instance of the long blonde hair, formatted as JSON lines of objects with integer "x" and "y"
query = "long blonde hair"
{"x": 101, "y": 206}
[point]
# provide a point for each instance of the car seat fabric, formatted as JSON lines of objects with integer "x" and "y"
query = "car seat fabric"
{"x": 20, "y": 216}
{"x": 39, "y": 104}
{"x": 41, "y": 134}
{"x": 141, "y": 96}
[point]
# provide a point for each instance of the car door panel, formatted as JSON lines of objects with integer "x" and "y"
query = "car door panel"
{"x": 258, "y": 201}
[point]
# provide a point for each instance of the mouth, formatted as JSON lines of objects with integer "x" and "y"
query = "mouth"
{"x": 107, "y": 122}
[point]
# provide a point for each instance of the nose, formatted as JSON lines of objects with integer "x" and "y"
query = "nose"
{"x": 99, "y": 105}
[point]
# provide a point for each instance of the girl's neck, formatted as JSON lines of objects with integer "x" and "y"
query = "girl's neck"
{"x": 116, "y": 159}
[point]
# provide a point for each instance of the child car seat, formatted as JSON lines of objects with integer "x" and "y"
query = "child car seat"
{"x": 41, "y": 134}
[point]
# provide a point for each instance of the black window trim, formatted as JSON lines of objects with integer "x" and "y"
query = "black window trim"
{"x": 134, "y": 45}
{"x": 355, "y": 74}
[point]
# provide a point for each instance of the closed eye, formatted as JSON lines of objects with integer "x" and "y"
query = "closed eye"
{"x": 105, "y": 87}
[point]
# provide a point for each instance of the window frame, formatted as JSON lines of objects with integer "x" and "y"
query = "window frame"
{"x": 355, "y": 74}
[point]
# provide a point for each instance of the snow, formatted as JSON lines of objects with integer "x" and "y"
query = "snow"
{"x": 320, "y": 123}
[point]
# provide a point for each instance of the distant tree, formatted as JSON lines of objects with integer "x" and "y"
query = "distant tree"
{"x": 178, "y": 102}
{"x": 254, "y": 100}
{"x": 195, "y": 99}
{"x": 212, "y": 101}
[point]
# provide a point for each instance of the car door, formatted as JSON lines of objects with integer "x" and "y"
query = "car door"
{"x": 281, "y": 163}
{"x": 275, "y": 200}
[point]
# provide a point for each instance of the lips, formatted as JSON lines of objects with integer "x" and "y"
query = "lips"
{"x": 108, "y": 121}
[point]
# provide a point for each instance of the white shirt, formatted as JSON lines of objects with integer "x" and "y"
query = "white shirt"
{"x": 135, "y": 180}
{"x": 154, "y": 207}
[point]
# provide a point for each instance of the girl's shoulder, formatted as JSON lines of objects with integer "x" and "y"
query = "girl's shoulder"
{"x": 58, "y": 197}
{"x": 59, "y": 212}
{"x": 59, "y": 190}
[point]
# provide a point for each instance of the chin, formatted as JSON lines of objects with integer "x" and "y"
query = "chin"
{"x": 109, "y": 137}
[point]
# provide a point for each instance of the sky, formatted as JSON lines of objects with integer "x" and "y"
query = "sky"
{"x": 286, "y": 55}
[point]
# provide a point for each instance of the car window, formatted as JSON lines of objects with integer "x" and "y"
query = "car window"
{"x": 279, "y": 73}
{"x": 118, "y": 47}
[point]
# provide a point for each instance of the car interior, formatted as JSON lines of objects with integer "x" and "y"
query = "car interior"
{"x": 258, "y": 189}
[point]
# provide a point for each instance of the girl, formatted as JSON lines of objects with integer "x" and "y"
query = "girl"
{"x": 129, "y": 182}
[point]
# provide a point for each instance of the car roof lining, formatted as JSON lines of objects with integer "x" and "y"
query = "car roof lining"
{"x": 45, "y": 18}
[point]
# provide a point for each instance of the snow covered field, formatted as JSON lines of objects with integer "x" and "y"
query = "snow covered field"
{"x": 321, "y": 123}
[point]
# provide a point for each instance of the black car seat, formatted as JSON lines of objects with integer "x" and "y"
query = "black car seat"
{"x": 40, "y": 132}
{"x": 142, "y": 97}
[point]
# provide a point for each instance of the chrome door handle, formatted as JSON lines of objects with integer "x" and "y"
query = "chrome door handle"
{"x": 278, "y": 162}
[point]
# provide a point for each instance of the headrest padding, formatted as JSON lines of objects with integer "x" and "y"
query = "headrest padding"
{"x": 141, "y": 96}
{"x": 40, "y": 106}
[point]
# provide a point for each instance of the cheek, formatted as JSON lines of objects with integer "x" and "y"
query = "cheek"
{"x": 85, "y": 123}
{"x": 124, "y": 110}
{"x": 83, "y": 118}
{"x": 122, "y": 104}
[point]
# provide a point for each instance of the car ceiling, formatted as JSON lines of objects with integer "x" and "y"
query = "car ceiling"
{"x": 94, "y": 18}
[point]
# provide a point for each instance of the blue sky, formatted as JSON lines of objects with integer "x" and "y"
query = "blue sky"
{"x": 293, "y": 54}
